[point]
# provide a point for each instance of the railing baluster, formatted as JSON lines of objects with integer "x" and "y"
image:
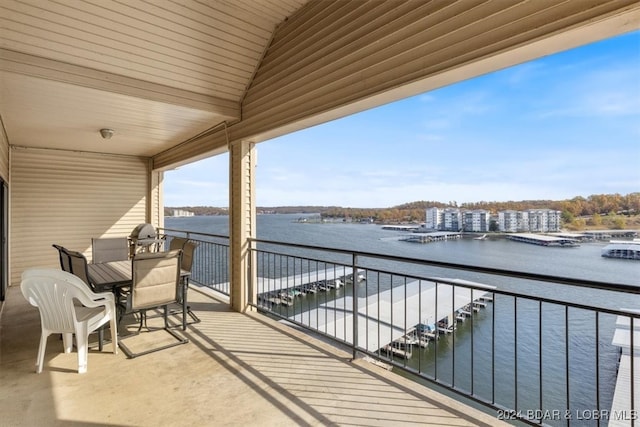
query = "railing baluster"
{"x": 453, "y": 337}
{"x": 598, "y": 366}
{"x": 354, "y": 263}
{"x": 472, "y": 332}
{"x": 632, "y": 394}
{"x": 378, "y": 310}
{"x": 437, "y": 337}
{"x": 419, "y": 330}
{"x": 366, "y": 305}
{"x": 515, "y": 352}
{"x": 540, "y": 359}
{"x": 406, "y": 344}
{"x": 493, "y": 349}
{"x": 566, "y": 361}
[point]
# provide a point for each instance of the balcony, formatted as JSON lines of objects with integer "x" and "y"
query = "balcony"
{"x": 238, "y": 369}
{"x": 535, "y": 354}
{"x": 172, "y": 102}
{"x": 320, "y": 372}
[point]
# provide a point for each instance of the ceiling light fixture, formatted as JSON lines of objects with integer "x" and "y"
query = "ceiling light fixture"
{"x": 106, "y": 133}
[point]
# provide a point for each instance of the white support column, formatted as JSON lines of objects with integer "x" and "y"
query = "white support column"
{"x": 242, "y": 223}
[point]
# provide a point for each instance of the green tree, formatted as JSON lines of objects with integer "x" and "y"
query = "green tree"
{"x": 568, "y": 217}
{"x": 619, "y": 223}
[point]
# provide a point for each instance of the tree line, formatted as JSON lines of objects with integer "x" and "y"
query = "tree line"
{"x": 572, "y": 209}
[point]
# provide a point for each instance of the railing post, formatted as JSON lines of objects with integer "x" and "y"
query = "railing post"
{"x": 632, "y": 397}
{"x": 354, "y": 293}
{"x": 252, "y": 266}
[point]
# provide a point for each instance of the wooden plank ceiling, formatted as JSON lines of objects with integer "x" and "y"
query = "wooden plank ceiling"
{"x": 164, "y": 74}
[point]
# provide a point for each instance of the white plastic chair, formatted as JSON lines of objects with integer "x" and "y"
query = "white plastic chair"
{"x": 53, "y": 292}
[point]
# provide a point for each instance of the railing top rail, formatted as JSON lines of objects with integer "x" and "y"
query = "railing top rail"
{"x": 616, "y": 287}
{"x": 458, "y": 283}
{"x": 198, "y": 233}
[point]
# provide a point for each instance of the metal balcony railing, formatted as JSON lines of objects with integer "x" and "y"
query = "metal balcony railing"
{"x": 210, "y": 261}
{"x": 543, "y": 350}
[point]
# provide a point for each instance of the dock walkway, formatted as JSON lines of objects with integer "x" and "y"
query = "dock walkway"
{"x": 621, "y": 414}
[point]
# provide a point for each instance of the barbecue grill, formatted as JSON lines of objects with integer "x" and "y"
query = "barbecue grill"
{"x": 145, "y": 238}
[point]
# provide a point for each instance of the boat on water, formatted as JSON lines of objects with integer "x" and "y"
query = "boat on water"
{"x": 483, "y": 237}
{"x": 622, "y": 249}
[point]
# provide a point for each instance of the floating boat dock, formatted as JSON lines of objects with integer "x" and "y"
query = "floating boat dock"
{"x": 623, "y": 249}
{"x": 401, "y": 227}
{"x": 385, "y": 319}
{"x": 543, "y": 240}
{"x": 435, "y": 236}
{"x": 283, "y": 290}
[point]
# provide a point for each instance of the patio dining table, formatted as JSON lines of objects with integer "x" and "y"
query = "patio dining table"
{"x": 113, "y": 275}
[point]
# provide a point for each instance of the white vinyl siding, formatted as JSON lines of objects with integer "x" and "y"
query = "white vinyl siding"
{"x": 4, "y": 155}
{"x": 67, "y": 198}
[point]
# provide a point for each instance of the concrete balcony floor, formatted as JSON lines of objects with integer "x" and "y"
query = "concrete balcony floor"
{"x": 237, "y": 370}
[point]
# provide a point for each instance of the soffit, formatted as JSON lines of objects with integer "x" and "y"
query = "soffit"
{"x": 165, "y": 74}
{"x": 332, "y": 59}
{"x": 157, "y": 72}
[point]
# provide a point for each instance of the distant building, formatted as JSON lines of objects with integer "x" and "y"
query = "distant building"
{"x": 447, "y": 219}
{"x": 479, "y": 220}
{"x": 531, "y": 221}
{"x": 434, "y": 219}
{"x": 511, "y": 221}
{"x": 451, "y": 219}
{"x": 544, "y": 220}
{"x": 476, "y": 221}
{"x": 182, "y": 212}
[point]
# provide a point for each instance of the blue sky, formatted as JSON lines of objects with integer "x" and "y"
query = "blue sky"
{"x": 562, "y": 126}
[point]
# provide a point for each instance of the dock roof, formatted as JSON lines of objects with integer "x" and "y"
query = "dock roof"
{"x": 388, "y": 316}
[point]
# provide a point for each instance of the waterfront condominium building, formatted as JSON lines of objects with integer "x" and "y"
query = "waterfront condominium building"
{"x": 433, "y": 219}
{"x": 533, "y": 220}
{"x": 511, "y": 221}
{"x": 182, "y": 212}
{"x": 476, "y": 220}
{"x": 451, "y": 219}
{"x": 479, "y": 220}
{"x": 544, "y": 220}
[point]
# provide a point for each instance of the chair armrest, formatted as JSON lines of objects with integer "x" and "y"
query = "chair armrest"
{"x": 97, "y": 300}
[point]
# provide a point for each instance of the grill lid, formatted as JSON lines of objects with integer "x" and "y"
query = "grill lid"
{"x": 143, "y": 232}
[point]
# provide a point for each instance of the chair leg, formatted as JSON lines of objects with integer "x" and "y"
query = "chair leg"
{"x": 114, "y": 334}
{"x": 143, "y": 320}
{"x": 82, "y": 338}
{"x": 179, "y": 340}
{"x": 100, "y": 337}
{"x": 67, "y": 342}
{"x": 41, "y": 349}
{"x": 185, "y": 308}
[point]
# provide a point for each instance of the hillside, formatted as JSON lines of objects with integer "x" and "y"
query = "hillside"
{"x": 613, "y": 211}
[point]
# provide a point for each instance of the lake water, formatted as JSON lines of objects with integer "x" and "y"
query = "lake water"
{"x": 451, "y": 360}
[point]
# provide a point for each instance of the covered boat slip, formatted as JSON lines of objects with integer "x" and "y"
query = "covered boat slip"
{"x": 624, "y": 249}
{"x": 543, "y": 240}
{"x": 266, "y": 284}
{"x": 391, "y": 314}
